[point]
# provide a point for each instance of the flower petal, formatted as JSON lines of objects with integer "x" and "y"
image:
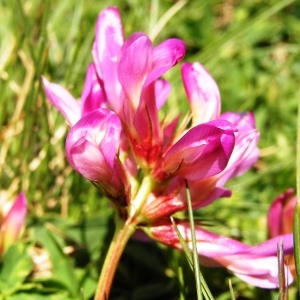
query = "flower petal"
{"x": 134, "y": 66}
{"x": 92, "y": 144}
{"x": 162, "y": 92}
{"x": 256, "y": 265}
{"x": 202, "y": 152}
{"x": 165, "y": 55}
{"x": 202, "y": 92}
{"x": 63, "y": 101}
{"x": 106, "y": 48}
{"x": 245, "y": 152}
{"x": 280, "y": 216}
{"x": 93, "y": 96}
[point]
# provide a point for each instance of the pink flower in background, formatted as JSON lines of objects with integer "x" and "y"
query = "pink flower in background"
{"x": 280, "y": 220}
{"x": 12, "y": 221}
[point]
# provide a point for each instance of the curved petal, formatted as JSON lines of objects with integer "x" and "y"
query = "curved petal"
{"x": 258, "y": 271}
{"x": 280, "y": 216}
{"x": 245, "y": 152}
{"x": 162, "y": 92}
{"x": 63, "y": 101}
{"x": 269, "y": 247}
{"x": 106, "y": 48}
{"x": 134, "y": 66}
{"x": 202, "y": 152}
{"x": 92, "y": 144}
{"x": 93, "y": 96}
{"x": 256, "y": 265}
{"x": 165, "y": 55}
{"x": 209, "y": 244}
{"x": 202, "y": 92}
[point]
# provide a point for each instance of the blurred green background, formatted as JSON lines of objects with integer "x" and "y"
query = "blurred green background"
{"x": 251, "y": 47}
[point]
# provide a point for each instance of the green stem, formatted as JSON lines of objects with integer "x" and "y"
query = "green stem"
{"x": 194, "y": 243}
{"x": 136, "y": 205}
{"x": 124, "y": 231}
{"x": 122, "y": 234}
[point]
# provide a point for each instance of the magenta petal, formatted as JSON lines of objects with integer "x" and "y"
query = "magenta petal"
{"x": 106, "y": 48}
{"x": 202, "y": 152}
{"x": 244, "y": 121}
{"x": 87, "y": 160}
{"x": 134, "y": 66}
{"x": 202, "y": 92}
{"x": 245, "y": 152}
{"x": 280, "y": 216}
{"x": 269, "y": 247}
{"x": 63, "y": 101}
{"x": 256, "y": 265}
{"x": 165, "y": 55}
{"x": 258, "y": 271}
{"x": 162, "y": 92}
{"x": 92, "y": 144}
{"x": 14, "y": 221}
{"x": 92, "y": 96}
{"x": 208, "y": 244}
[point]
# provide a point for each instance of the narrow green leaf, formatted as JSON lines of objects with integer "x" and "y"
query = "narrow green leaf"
{"x": 194, "y": 244}
{"x": 231, "y": 290}
{"x": 16, "y": 265}
{"x": 184, "y": 245}
{"x": 296, "y": 228}
{"x": 63, "y": 270}
{"x": 206, "y": 292}
{"x": 281, "y": 267}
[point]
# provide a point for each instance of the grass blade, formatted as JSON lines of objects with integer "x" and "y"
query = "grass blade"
{"x": 296, "y": 228}
{"x": 206, "y": 292}
{"x": 194, "y": 244}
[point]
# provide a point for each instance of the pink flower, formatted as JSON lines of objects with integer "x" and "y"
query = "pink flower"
{"x": 280, "y": 220}
{"x": 92, "y": 146}
{"x": 189, "y": 161}
{"x": 202, "y": 92}
{"x": 140, "y": 161}
{"x": 12, "y": 222}
{"x": 256, "y": 265}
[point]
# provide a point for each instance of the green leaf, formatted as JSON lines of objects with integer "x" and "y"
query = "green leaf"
{"x": 63, "y": 271}
{"x": 16, "y": 265}
{"x": 34, "y": 296}
{"x": 296, "y": 225}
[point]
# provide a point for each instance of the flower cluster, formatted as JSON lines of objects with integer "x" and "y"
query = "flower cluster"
{"x": 142, "y": 161}
{"x": 12, "y": 217}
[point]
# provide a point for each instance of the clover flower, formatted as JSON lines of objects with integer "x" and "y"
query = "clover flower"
{"x": 141, "y": 161}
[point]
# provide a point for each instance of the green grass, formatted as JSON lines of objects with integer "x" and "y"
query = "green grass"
{"x": 252, "y": 48}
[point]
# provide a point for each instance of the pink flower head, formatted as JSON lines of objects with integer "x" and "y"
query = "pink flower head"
{"x": 256, "y": 265}
{"x": 92, "y": 146}
{"x": 12, "y": 222}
